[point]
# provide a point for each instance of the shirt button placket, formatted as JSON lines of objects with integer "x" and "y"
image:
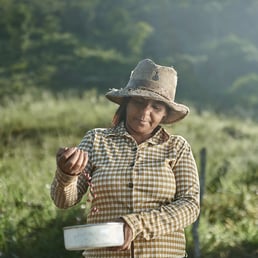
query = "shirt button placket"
{"x": 130, "y": 184}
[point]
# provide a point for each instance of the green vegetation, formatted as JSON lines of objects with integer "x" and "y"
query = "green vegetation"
{"x": 59, "y": 45}
{"x": 58, "y": 56}
{"x": 34, "y": 127}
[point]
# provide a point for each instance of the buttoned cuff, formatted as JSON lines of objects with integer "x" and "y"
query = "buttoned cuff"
{"x": 64, "y": 178}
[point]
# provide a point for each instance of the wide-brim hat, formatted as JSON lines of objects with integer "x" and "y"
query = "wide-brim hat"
{"x": 152, "y": 81}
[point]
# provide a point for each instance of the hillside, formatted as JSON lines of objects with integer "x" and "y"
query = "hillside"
{"x": 61, "y": 45}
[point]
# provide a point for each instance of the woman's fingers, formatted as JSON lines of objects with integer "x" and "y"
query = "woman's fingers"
{"x": 79, "y": 160}
{"x": 62, "y": 157}
{"x": 61, "y": 151}
{"x": 128, "y": 236}
{"x": 71, "y": 160}
{"x": 68, "y": 153}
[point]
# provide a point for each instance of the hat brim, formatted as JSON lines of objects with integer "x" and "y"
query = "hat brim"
{"x": 176, "y": 111}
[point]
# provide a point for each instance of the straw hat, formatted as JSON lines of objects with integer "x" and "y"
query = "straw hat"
{"x": 152, "y": 81}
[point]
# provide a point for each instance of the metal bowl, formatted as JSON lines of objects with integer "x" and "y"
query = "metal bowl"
{"x": 90, "y": 236}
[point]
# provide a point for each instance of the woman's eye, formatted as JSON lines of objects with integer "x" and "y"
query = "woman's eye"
{"x": 156, "y": 107}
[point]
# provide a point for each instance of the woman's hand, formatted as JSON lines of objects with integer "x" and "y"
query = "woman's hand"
{"x": 71, "y": 161}
{"x": 128, "y": 238}
{"x": 128, "y": 234}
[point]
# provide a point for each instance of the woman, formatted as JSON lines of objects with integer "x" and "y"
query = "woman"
{"x": 141, "y": 175}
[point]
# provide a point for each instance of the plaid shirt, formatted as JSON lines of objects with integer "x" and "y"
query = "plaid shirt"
{"x": 153, "y": 186}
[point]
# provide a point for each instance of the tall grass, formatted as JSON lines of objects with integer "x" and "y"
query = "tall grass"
{"x": 32, "y": 129}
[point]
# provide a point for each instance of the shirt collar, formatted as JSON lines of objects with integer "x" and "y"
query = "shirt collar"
{"x": 159, "y": 137}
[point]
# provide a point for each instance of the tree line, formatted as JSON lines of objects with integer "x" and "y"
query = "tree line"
{"x": 61, "y": 45}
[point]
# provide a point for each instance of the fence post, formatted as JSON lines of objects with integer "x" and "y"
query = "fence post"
{"x": 197, "y": 251}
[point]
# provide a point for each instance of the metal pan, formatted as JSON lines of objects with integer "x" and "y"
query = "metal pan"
{"x": 91, "y": 236}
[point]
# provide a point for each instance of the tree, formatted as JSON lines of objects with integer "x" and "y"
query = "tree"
{"x": 244, "y": 93}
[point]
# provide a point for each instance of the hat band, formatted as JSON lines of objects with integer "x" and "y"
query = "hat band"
{"x": 148, "y": 86}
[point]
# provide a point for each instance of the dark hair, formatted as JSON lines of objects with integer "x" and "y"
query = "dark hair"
{"x": 120, "y": 114}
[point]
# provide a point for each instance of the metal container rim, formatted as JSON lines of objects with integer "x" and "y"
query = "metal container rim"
{"x": 93, "y": 225}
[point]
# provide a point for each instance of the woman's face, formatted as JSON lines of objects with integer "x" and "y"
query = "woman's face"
{"x": 144, "y": 115}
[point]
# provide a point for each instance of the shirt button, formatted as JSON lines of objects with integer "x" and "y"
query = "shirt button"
{"x": 132, "y": 164}
{"x": 130, "y": 185}
{"x": 134, "y": 149}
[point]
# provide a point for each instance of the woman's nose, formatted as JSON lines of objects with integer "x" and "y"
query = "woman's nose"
{"x": 147, "y": 109}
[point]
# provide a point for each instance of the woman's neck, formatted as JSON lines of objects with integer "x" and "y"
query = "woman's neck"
{"x": 139, "y": 137}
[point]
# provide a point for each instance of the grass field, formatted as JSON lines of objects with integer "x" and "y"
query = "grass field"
{"x": 31, "y": 130}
